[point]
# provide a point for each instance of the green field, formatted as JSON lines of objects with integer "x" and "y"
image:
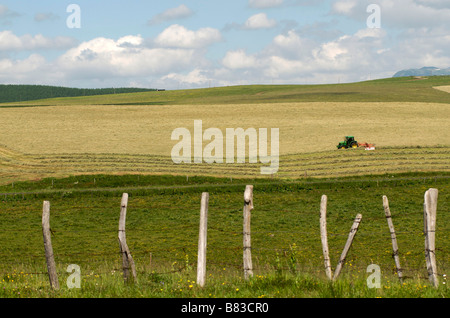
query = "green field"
{"x": 82, "y": 153}
{"x": 401, "y": 89}
{"x": 162, "y": 233}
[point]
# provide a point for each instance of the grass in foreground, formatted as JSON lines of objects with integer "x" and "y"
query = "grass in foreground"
{"x": 162, "y": 233}
{"x": 219, "y": 285}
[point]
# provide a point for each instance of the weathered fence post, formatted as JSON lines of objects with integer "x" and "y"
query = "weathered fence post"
{"x": 127, "y": 259}
{"x": 202, "y": 239}
{"x": 248, "y": 207}
{"x": 51, "y": 266}
{"x": 387, "y": 212}
{"x": 351, "y": 236}
{"x": 324, "y": 237}
{"x": 430, "y": 207}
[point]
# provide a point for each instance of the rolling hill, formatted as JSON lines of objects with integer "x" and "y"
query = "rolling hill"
{"x": 403, "y": 89}
{"x": 130, "y": 133}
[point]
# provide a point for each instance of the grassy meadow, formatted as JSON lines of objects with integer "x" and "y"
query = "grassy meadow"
{"x": 402, "y": 89}
{"x": 162, "y": 233}
{"x": 82, "y": 153}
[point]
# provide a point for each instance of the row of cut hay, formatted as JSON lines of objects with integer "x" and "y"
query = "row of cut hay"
{"x": 321, "y": 164}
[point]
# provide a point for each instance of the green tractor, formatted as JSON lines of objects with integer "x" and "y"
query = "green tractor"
{"x": 349, "y": 142}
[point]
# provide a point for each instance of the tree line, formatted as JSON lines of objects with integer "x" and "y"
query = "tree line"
{"x": 20, "y": 93}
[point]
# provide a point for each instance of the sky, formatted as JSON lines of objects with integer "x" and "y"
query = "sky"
{"x": 209, "y": 43}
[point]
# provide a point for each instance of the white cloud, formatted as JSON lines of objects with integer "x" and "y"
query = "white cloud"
{"x": 441, "y": 4}
{"x": 291, "y": 46}
{"x": 130, "y": 40}
{"x": 413, "y": 14}
{"x": 123, "y": 57}
{"x": 344, "y": 6}
{"x": 263, "y": 4}
{"x": 179, "y": 12}
{"x": 259, "y": 21}
{"x": 370, "y": 33}
{"x": 196, "y": 77}
{"x": 422, "y": 47}
{"x": 305, "y": 3}
{"x": 291, "y": 58}
{"x": 280, "y": 68}
{"x": 12, "y": 42}
{"x": 30, "y": 64}
{"x": 239, "y": 60}
{"x": 27, "y": 71}
{"x": 398, "y": 13}
{"x": 289, "y": 41}
{"x": 178, "y": 36}
{"x": 330, "y": 51}
{"x": 104, "y": 61}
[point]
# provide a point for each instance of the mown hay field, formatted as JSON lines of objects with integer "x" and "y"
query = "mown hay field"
{"x": 61, "y": 141}
{"x": 443, "y": 88}
{"x": 304, "y": 127}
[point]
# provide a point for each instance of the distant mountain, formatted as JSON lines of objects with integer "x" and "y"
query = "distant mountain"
{"x": 424, "y": 71}
{"x": 20, "y": 93}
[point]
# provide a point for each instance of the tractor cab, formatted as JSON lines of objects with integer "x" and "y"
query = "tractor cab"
{"x": 349, "y": 139}
{"x": 349, "y": 142}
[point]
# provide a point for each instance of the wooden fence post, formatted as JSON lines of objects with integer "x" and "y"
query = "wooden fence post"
{"x": 248, "y": 207}
{"x": 387, "y": 212}
{"x": 127, "y": 259}
{"x": 430, "y": 207}
{"x": 324, "y": 237}
{"x": 351, "y": 236}
{"x": 51, "y": 266}
{"x": 202, "y": 239}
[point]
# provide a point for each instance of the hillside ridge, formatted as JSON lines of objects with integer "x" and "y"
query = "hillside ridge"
{"x": 401, "y": 89}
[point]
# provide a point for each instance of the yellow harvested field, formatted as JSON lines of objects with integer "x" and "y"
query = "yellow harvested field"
{"x": 443, "y": 88}
{"x": 304, "y": 127}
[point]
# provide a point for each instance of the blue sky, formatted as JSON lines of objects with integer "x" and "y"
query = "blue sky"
{"x": 187, "y": 44}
